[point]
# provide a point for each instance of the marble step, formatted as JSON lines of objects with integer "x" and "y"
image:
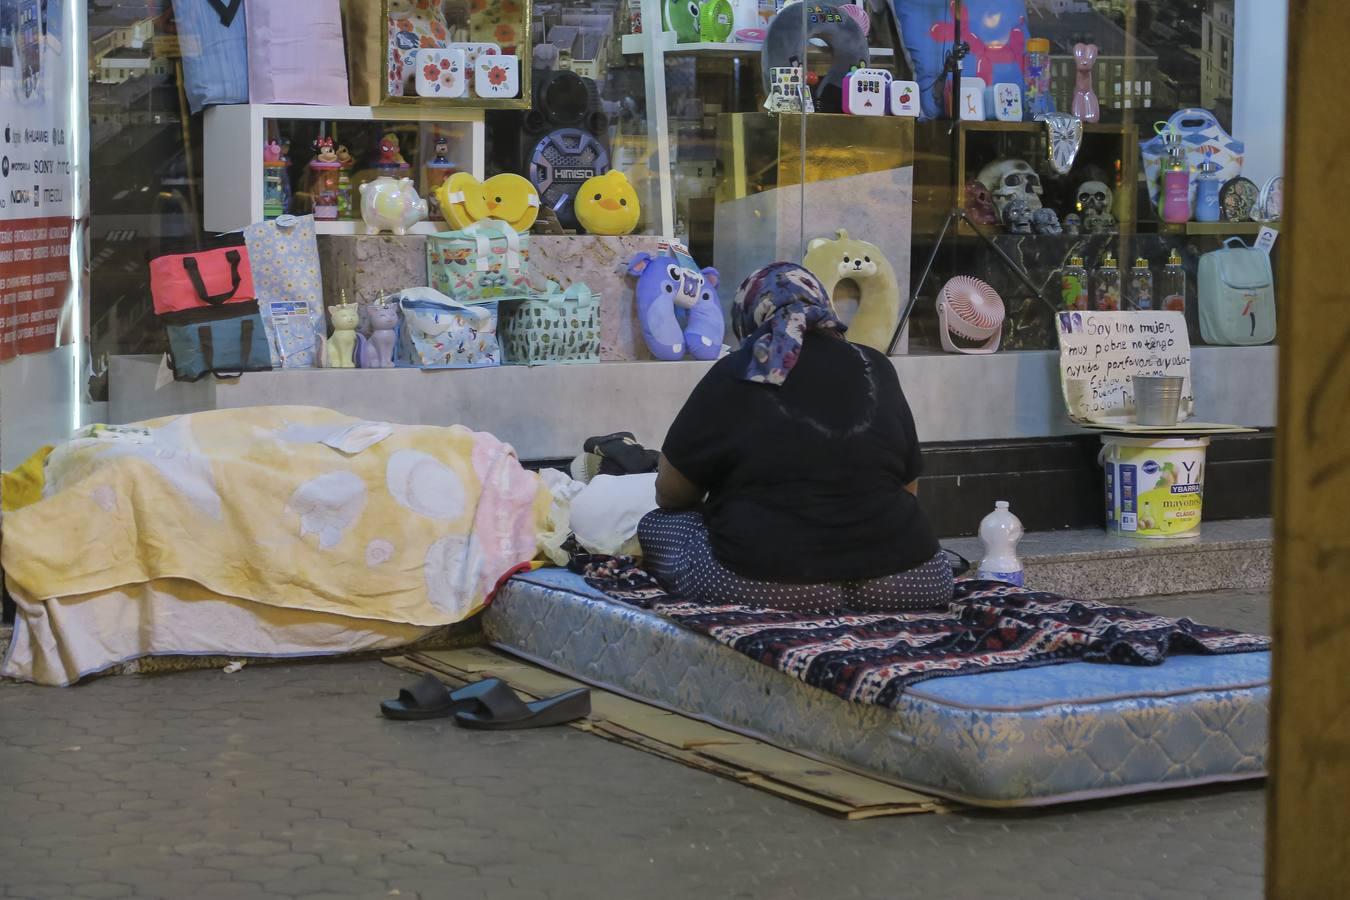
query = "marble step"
{"x": 1232, "y": 555}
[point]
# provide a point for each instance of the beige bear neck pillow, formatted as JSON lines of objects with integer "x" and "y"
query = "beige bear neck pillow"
{"x": 839, "y": 259}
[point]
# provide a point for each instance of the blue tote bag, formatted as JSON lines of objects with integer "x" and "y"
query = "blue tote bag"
{"x": 214, "y": 43}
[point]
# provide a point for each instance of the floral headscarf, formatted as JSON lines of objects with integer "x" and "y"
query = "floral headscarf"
{"x": 774, "y": 309}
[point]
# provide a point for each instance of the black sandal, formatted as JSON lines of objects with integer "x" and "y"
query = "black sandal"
{"x": 504, "y": 711}
{"x": 429, "y": 698}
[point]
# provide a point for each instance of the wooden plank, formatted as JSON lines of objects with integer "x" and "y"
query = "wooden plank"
{"x": 1308, "y": 843}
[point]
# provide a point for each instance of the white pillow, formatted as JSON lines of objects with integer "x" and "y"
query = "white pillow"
{"x": 606, "y": 513}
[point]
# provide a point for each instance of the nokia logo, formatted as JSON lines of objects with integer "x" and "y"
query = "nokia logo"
{"x": 573, "y": 174}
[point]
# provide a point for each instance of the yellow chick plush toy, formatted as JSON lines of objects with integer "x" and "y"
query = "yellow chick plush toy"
{"x": 461, "y": 200}
{"x": 607, "y": 204}
{"x": 512, "y": 199}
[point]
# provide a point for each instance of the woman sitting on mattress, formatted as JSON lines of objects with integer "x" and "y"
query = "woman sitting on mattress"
{"x": 789, "y": 478}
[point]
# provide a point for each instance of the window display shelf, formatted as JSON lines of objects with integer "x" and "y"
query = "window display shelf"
{"x": 1222, "y": 229}
{"x": 234, "y": 138}
{"x": 637, "y": 45}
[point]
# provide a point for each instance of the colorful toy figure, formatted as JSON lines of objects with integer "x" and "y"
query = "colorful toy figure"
{"x": 390, "y": 154}
{"x": 997, "y": 39}
{"x": 393, "y": 204}
{"x": 324, "y": 174}
{"x": 276, "y": 189}
{"x": 436, "y": 171}
{"x": 345, "y": 163}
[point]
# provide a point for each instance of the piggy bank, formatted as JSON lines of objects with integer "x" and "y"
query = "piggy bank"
{"x": 391, "y": 203}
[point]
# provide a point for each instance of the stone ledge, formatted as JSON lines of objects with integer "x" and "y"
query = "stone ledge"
{"x": 1092, "y": 565}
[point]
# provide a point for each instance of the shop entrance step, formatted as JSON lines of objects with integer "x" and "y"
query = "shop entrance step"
{"x": 1090, "y": 564}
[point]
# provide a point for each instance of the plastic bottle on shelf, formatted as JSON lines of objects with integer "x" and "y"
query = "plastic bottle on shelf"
{"x": 1172, "y": 284}
{"x": 1073, "y": 285}
{"x": 1037, "y": 60}
{"x": 1141, "y": 285}
{"x": 999, "y": 532}
{"x": 1106, "y": 284}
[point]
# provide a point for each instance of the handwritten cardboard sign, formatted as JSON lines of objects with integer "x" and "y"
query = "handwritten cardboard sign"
{"x": 1100, "y": 352}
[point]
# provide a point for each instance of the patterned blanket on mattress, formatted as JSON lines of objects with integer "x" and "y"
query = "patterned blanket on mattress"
{"x": 871, "y": 657}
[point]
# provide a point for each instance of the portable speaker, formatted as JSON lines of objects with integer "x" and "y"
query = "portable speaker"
{"x": 564, "y": 99}
{"x": 560, "y": 162}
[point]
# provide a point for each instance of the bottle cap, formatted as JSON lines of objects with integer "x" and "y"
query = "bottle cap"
{"x": 1038, "y": 45}
{"x": 1109, "y": 260}
{"x": 1140, "y": 262}
{"x": 1174, "y": 258}
{"x": 1075, "y": 260}
{"x": 1001, "y": 504}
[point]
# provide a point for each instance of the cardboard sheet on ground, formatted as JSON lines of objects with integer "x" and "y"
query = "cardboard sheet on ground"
{"x": 694, "y": 743}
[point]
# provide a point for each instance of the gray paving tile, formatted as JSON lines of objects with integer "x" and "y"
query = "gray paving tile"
{"x": 282, "y": 781}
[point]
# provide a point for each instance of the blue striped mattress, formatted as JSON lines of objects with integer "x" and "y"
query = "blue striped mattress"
{"x": 1031, "y": 737}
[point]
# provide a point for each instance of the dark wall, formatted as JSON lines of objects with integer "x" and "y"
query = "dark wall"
{"x": 1055, "y": 483}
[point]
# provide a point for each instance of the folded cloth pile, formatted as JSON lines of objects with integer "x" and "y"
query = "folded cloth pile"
{"x": 613, "y": 454}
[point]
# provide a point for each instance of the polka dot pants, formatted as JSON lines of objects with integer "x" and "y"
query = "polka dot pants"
{"x": 677, "y": 553}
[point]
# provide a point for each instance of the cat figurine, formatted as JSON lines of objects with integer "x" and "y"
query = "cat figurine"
{"x": 345, "y": 344}
{"x": 377, "y": 351}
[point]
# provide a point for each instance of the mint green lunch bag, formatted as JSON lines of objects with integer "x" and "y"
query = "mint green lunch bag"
{"x": 1236, "y": 295}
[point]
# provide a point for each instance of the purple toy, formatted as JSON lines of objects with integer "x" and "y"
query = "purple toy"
{"x": 678, "y": 306}
{"x": 377, "y": 351}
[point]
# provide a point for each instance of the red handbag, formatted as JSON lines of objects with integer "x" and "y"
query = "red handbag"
{"x": 183, "y": 281}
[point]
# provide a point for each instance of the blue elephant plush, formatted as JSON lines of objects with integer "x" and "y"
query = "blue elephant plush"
{"x": 678, "y": 307}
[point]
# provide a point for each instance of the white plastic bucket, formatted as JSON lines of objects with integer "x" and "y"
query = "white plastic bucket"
{"x": 1154, "y": 488}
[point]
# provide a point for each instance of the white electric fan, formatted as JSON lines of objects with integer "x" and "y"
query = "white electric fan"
{"x": 970, "y": 316}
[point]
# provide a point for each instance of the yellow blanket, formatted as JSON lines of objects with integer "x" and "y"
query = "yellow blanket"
{"x": 416, "y": 527}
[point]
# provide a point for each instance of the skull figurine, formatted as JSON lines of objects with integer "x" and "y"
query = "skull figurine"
{"x": 1093, "y": 197}
{"x": 1073, "y": 223}
{"x": 1099, "y": 223}
{"x": 980, "y": 204}
{"x": 1046, "y": 221}
{"x": 1008, "y": 178}
{"x": 1017, "y": 215}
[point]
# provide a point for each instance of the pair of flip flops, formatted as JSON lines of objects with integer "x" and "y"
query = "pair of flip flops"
{"x": 489, "y": 705}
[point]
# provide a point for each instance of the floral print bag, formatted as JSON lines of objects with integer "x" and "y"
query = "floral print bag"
{"x": 438, "y": 333}
{"x": 484, "y": 262}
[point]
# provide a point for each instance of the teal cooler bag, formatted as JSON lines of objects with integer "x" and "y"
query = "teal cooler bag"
{"x": 435, "y": 332}
{"x": 222, "y": 341}
{"x": 487, "y": 261}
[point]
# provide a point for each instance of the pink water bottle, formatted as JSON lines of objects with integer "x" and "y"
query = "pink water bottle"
{"x": 1174, "y": 198}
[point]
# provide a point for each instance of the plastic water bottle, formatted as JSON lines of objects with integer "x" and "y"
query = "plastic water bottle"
{"x": 999, "y": 532}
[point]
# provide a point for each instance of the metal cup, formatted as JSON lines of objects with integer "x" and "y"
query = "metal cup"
{"x": 1157, "y": 399}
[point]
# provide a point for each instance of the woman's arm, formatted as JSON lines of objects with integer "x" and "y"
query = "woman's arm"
{"x": 673, "y": 490}
{"x": 913, "y": 487}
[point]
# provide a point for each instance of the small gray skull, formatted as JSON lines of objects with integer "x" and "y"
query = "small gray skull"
{"x": 1093, "y": 196}
{"x": 1017, "y": 216}
{"x": 1046, "y": 221}
{"x": 1073, "y": 223}
{"x": 1099, "y": 223}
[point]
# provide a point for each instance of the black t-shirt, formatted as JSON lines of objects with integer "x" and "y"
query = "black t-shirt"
{"x": 807, "y": 480}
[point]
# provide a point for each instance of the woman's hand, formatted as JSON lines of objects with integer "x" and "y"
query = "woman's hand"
{"x": 673, "y": 490}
